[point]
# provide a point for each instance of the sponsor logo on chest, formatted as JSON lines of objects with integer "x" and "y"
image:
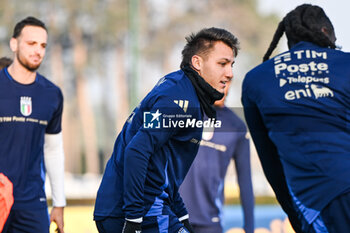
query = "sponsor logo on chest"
{"x": 26, "y": 105}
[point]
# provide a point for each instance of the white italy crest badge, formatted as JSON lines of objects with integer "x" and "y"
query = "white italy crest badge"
{"x": 26, "y": 105}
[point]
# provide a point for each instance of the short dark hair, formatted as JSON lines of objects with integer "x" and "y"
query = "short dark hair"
{"x": 29, "y": 21}
{"x": 304, "y": 23}
{"x": 4, "y": 62}
{"x": 203, "y": 42}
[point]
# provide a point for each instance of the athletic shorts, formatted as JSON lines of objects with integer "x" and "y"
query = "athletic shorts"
{"x": 151, "y": 224}
{"x": 20, "y": 221}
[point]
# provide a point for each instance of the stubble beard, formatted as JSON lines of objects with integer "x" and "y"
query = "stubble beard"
{"x": 26, "y": 64}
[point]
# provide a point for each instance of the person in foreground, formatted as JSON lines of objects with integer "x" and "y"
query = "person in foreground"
{"x": 6, "y": 199}
{"x": 296, "y": 108}
{"x": 30, "y": 115}
{"x": 203, "y": 187}
{"x": 153, "y": 152}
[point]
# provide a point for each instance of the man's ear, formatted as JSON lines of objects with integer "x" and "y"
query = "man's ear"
{"x": 325, "y": 31}
{"x": 197, "y": 62}
{"x": 329, "y": 33}
{"x": 13, "y": 44}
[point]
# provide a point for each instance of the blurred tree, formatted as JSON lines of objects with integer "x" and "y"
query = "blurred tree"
{"x": 183, "y": 17}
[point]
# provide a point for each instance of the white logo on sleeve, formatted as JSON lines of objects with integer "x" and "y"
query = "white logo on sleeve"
{"x": 182, "y": 104}
{"x": 182, "y": 230}
{"x": 320, "y": 91}
{"x": 161, "y": 81}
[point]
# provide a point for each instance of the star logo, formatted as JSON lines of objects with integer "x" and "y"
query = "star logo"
{"x": 151, "y": 119}
{"x": 156, "y": 115}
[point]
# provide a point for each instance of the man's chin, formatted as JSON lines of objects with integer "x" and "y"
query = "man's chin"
{"x": 33, "y": 67}
{"x": 30, "y": 66}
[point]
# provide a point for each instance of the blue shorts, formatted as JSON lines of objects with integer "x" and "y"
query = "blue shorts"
{"x": 20, "y": 221}
{"x": 336, "y": 215}
{"x": 151, "y": 224}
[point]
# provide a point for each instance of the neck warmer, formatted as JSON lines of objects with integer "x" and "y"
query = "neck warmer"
{"x": 207, "y": 95}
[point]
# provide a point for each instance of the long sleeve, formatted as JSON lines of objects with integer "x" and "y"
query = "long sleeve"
{"x": 178, "y": 206}
{"x": 143, "y": 145}
{"x": 54, "y": 155}
{"x": 242, "y": 164}
{"x": 270, "y": 161}
{"x": 54, "y": 163}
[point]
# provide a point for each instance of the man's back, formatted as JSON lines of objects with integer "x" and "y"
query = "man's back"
{"x": 302, "y": 96}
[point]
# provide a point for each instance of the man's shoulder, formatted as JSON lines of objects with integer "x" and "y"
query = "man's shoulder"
{"x": 46, "y": 83}
{"x": 3, "y": 76}
{"x": 230, "y": 113}
{"x": 174, "y": 80}
{"x": 260, "y": 69}
{"x": 175, "y": 85}
{"x": 230, "y": 117}
{"x": 50, "y": 89}
{"x": 173, "y": 93}
{"x": 258, "y": 75}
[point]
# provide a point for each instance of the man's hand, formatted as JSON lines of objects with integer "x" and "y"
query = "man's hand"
{"x": 57, "y": 217}
{"x": 187, "y": 224}
{"x": 131, "y": 227}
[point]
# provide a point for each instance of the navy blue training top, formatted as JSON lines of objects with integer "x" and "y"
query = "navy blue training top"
{"x": 153, "y": 153}
{"x": 27, "y": 112}
{"x": 296, "y": 106}
{"x": 203, "y": 188}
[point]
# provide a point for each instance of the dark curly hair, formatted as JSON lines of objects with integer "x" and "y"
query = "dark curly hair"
{"x": 304, "y": 23}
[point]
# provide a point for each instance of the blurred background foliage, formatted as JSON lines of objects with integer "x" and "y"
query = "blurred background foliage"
{"x": 107, "y": 54}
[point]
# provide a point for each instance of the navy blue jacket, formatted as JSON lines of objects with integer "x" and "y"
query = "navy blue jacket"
{"x": 153, "y": 153}
{"x": 296, "y": 106}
